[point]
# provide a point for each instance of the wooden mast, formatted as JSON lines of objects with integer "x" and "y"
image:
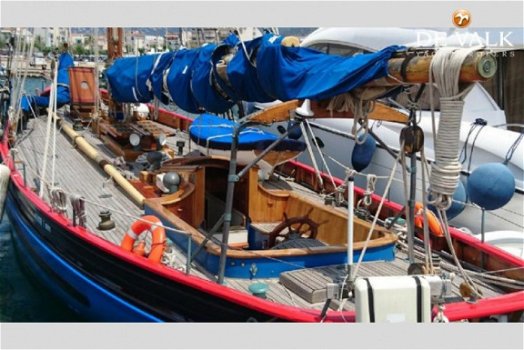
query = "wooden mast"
{"x": 115, "y": 38}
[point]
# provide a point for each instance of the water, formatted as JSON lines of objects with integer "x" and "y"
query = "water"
{"x": 22, "y": 297}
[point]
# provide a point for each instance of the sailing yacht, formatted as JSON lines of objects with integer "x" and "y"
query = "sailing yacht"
{"x": 133, "y": 217}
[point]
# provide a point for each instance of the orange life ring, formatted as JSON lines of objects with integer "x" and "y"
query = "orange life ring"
{"x": 151, "y": 224}
{"x": 434, "y": 225}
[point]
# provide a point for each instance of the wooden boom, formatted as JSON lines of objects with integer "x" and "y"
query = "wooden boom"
{"x": 479, "y": 66}
{"x": 282, "y": 112}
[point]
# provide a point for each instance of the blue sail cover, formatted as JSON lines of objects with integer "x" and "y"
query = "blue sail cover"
{"x": 202, "y": 83}
{"x": 179, "y": 80}
{"x": 288, "y": 73}
{"x": 242, "y": 73}
{"x": 162, "y": 62}
{"x": 65, "y": 61}
{"x": 215, "y": 132}
{"x": 223, "y": 87}
{"x": 278, "y": 72}
{"x": 129, "y": 78}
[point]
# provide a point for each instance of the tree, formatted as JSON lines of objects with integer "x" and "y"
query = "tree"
{"x": 90, "y": 43}
{"x": 46, "y": 50}
{"x": 39, "y": 43}
{"x": 79, "y": 49}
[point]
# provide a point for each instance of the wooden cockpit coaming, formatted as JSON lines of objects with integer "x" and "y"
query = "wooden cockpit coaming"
{"x": 259, "y": 204}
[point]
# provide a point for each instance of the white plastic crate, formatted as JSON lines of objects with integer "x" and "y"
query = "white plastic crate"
{"x": 393, "y": 299}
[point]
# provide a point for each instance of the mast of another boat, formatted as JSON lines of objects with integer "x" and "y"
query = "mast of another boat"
{"x": 96, "y": 53}
{"x": 115, "y": 38}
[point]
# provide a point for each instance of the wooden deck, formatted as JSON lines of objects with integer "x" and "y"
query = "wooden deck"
{"x": 311, "y": 284}
{"x": 76, "y": 174}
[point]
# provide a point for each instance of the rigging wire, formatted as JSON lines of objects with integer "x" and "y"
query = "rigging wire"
{"x": 513, "y": 148}
{"x": 478, "y": 125}
{"x": 50, "y": 116}
{"x": 315, "y": 141}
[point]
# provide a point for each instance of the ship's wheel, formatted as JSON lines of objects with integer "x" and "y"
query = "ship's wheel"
{"x": 297, "y": 227}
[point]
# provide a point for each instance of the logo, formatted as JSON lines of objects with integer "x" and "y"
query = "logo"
{"x": 461, "y": 18}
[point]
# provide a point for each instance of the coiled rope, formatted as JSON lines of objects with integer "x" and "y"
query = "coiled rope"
{"x": 360, "y": 108}
{"x": 58, "y": 200}
{"x": 445, "y": 171}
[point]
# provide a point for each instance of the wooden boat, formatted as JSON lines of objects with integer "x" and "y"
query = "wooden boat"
{"x": 82, "y": 259}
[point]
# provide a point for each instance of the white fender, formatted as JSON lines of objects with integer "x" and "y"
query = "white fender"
{"x": 5, "y": 174}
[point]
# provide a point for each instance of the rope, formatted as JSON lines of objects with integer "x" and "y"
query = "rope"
{"x": 58, "y": 200}
{"x": 359, "y": 107}
{"x": 446, "y": 168}
{"x": 53, "y": 159}
{"x": 445, "y": 173}
{"x": 468, "y": 204}
{"x": 20, "y": 54}
{"x": 356, "y": 172}
{"x": 50, "y": 114}
{"x": 444, "y": 220}
{"x": 244, "y": 49}
{"x": 79, "y": 210}
{"x": 371, "y": 180}
{"x": 377, "y": 214}
{"x": 404, "y": 180}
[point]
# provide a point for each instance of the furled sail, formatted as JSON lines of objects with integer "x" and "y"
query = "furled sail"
{"x": 65, "y": 61}
{"x": 288, "y": 73}
{"x": 178, "y": 80}
{"x": 129, "y": 78}
{"x": 260, "y": 70}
